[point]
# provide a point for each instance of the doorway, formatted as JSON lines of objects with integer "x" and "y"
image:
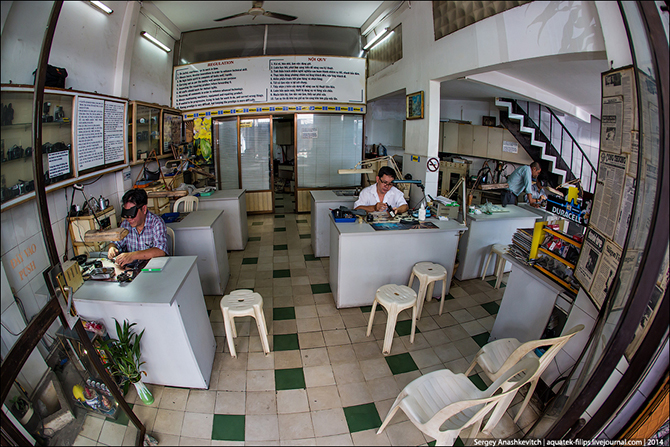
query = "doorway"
{"x": 283, "y": 163}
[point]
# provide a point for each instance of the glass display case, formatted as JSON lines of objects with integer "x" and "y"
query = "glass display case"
{"x": 16, "y": 140}
{"x": 152, "y": 127}
{"x": 172, "y": 131}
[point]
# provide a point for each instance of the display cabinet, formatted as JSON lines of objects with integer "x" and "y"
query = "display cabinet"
{"x": 151, "y": 127}
{"x": 172, "y": 130}
{"x": 16, "y": 140}
{"x": 83, "y": 135}
{"x": 560, "y": 252}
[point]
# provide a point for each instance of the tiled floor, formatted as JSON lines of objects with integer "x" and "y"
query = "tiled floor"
{"x": 325, "y": 382}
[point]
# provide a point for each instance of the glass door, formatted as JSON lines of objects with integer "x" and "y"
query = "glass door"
{"x": 255, "y": 152}
{"x": 326, "y": 143}
{"x": 227, "y": 159}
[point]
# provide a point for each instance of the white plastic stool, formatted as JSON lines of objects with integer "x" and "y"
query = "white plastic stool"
{"x": 428, "y": 273}
{"x": 395, "y": 299}
{"x": 499, "y": 250}
{"x": 242, "y": 303}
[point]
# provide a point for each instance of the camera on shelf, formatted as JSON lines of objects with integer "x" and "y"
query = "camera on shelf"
{"x": 15, "y": 153}
{"x": 46, "y": 118}
{"x": 59, "y": 115}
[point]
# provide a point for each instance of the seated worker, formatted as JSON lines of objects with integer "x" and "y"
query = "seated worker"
{"x": 379, "y": 196}
{"x": 146, "y": 237}
{"x": 521, "y": 180}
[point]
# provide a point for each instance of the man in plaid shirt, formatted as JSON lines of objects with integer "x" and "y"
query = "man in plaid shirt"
{"x": 146, "y": 237}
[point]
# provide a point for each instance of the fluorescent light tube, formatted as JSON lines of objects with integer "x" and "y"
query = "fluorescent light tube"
{"x": 355, "y": 171}
{"x": 375, "y": 39}
{"x": 155, "y": 41}
{"x": 101, "y": 6}
{"x": 383, "y": 40}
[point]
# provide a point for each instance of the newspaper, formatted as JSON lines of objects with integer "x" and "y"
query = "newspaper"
{"x": 605, "y": 273}
{"x": 622, "y": 83}
{"x": 623, "y": 222}
{"x": 609, "y": 188}
{"x": 588, "y": 258}
{"x": 634, "y": 154}
{"x": 611, "y": 124}
{"x": 629, "y": 264}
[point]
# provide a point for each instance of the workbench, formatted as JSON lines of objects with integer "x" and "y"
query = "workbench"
{"x": 202, "y": 233}
{"x": 322, "y": 201}
{"x": 362, "y": 259}
{"x": 178, "y": 343}
{"x": 484, "y": 231}
{"x": 234, "y": 204}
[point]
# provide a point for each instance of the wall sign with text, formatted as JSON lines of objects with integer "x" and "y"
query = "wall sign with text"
{"x": 269, "y": 79}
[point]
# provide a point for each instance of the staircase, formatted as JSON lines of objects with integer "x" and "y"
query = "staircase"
{"x": 560, "y": 152}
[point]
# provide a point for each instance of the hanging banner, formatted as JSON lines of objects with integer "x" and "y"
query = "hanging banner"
{"x": 269, "y": 79}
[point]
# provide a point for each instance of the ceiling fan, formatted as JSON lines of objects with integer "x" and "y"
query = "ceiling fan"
{"x": 257, "y": 10}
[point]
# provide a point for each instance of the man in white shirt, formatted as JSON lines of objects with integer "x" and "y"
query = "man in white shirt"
{"x": 379, "y": 196}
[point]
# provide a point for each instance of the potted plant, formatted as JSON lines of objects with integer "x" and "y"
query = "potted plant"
{"x": 125, "y": 354}
{"x": 22, "y": 409}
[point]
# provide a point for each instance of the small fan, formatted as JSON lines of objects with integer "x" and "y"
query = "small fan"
{"x": 257, "y": 10}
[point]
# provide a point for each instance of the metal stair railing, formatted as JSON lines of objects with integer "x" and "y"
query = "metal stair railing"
{"x": 561, "y": 142}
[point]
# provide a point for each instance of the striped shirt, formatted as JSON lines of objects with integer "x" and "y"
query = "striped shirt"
{"x": 154, "y": 234}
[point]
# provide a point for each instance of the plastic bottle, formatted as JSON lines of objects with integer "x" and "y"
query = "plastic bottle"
{"x": 422, "y": 212}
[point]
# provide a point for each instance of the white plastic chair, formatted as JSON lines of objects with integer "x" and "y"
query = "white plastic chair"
{"x": 242, "y": 303}
{"x": 428, "y": 273}
{"x": 499, "y": 250}
{"x": 394, "y": 299}
{"x": 498, "y": 356}
{"x": 170, "y": 233}
{"x": 190, "y": 204}
{"x": 442, "y": 404}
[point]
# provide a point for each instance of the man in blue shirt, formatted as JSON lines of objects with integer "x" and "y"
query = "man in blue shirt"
{"x": 520, "y": 181}
{"x": 147, "y": 235}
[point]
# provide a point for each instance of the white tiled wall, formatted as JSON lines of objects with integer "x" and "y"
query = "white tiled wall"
{"x": 20, "y": 233}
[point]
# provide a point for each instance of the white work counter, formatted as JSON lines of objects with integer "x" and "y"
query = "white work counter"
{"x": 178, "y": 344}
{"x": 202, "y": 233}
{"x": 527, "y": 303}
{"x": 234, "y": 203}
{"x": 484, "y": 231}
{"x": 362, "y": 259}
{"x": 322, "y": 201}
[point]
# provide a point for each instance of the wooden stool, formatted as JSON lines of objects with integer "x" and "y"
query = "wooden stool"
{"x": 242, "y": 303}
{"x": 428, "y": 273}
{"x": 499, "y": 250}
{"x": 395, "y": 299}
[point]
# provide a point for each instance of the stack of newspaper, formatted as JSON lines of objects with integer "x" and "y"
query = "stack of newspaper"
{"x": 521, "y": 242}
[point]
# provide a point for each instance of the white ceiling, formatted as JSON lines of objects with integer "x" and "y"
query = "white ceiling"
{"x": 576, "y": 81}
{"x": 194, "y": 15}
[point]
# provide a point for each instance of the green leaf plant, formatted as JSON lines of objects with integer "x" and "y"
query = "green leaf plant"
{"x": 125, "y": 354}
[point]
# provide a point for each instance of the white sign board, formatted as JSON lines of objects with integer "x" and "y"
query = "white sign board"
{"x": 114, "y": 125}
{"x": 511, "y": 147}
{"x": 90, "y": 145}
{"x": 59, "y": 163}
{"x": 269, "y": 79}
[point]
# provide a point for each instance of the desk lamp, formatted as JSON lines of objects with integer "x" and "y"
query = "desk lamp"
{"x": 413, "y": 182}
{"x": 100, "y": 235}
